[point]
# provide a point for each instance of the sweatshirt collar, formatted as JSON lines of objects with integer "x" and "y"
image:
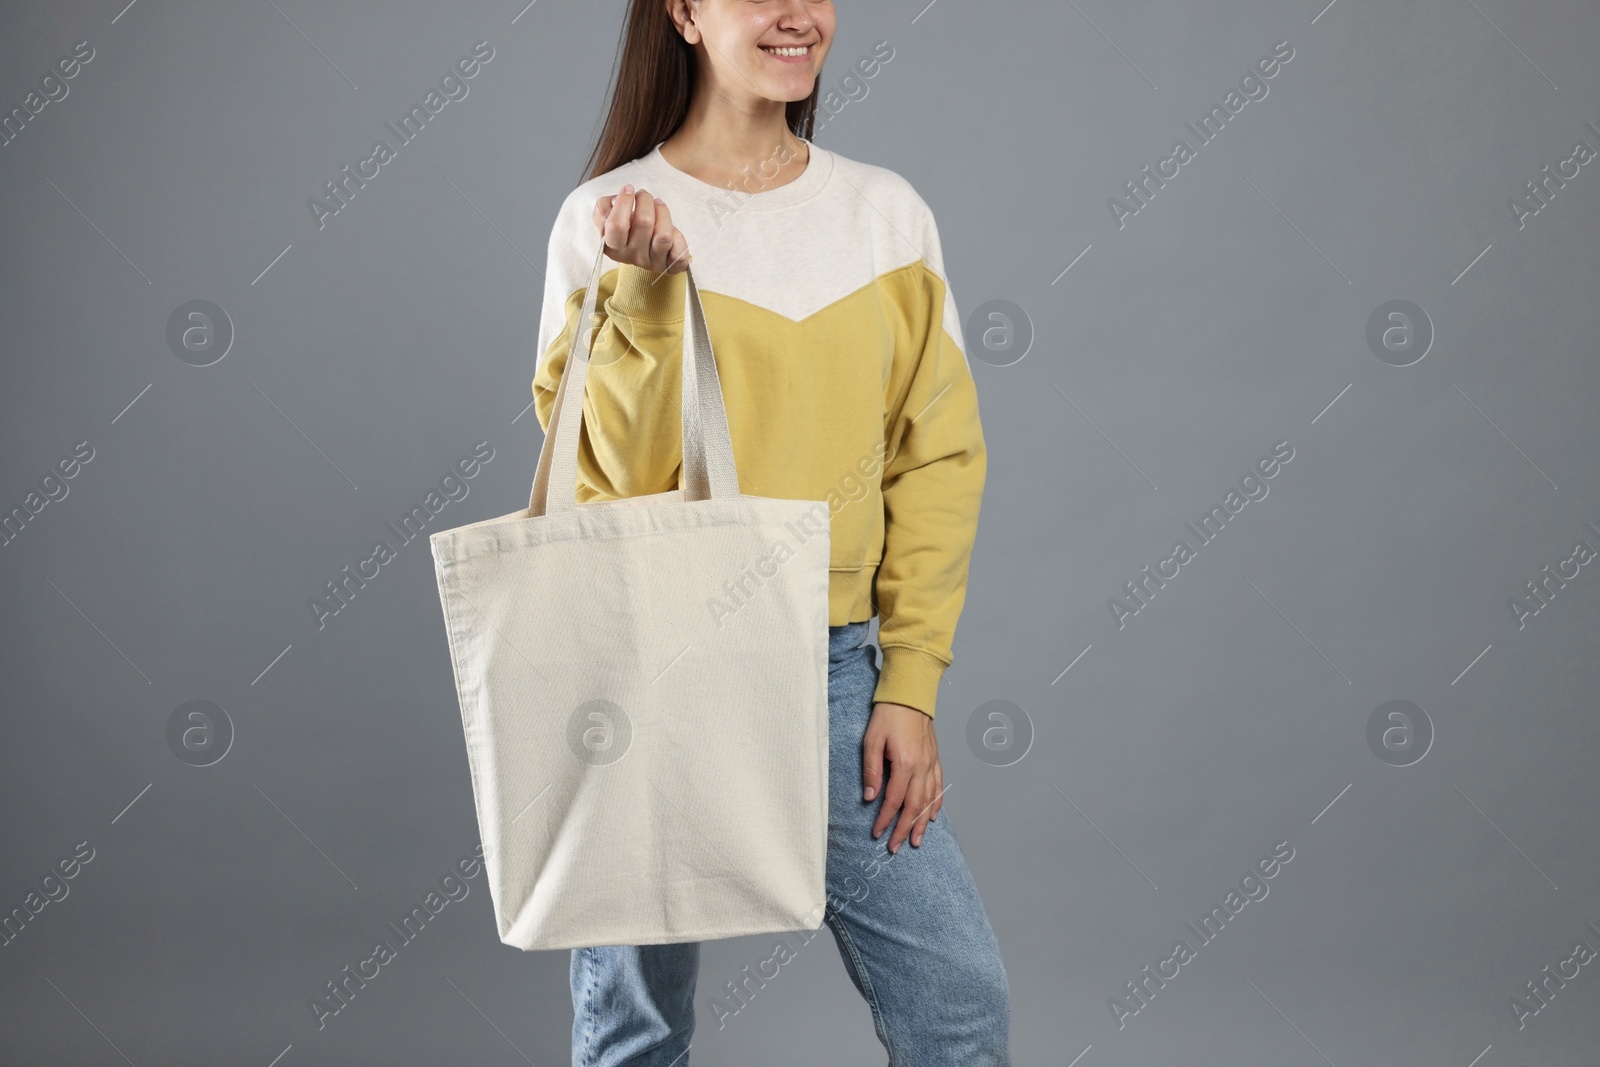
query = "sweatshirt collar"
{"x": 748, "y": 197}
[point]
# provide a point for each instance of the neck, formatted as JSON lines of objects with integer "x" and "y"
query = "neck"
{"x": 720, "y": 142}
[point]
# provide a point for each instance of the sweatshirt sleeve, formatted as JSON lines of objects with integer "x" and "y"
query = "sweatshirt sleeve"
{"x": 932, "y": 489}
{"x": 631, "y": 444}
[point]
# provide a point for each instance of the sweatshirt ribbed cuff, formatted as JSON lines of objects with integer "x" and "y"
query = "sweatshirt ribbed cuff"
{"x": 646, "y": 296}
{"x": 910, "y": 677}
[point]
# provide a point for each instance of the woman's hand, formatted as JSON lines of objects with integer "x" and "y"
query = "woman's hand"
{"x": 916, "y": 781}
{"x": 637, "y": 228}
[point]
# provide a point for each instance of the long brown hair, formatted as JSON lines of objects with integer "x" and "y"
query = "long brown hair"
{"x": 652, "y": 82}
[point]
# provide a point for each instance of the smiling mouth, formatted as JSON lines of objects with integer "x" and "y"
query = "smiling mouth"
{"x": 788, "y": 51}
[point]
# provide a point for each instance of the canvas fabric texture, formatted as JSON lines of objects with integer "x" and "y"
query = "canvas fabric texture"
{"x": 643, "y": 686}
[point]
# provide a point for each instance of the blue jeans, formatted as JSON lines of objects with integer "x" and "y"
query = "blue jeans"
{"x": 909, "y": 925}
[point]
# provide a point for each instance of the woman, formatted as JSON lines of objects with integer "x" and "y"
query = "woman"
{"x": 838, "y": 348}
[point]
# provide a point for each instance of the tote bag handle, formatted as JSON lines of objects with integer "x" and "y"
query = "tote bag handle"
{"x": 708, "y": 466}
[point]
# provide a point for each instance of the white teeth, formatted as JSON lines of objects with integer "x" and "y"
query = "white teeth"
{"x": 786, "y": 51}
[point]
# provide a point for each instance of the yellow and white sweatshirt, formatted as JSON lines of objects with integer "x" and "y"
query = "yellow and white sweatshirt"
{"x": 840, "y": 354}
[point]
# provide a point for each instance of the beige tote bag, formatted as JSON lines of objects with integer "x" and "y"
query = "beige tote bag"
{"x": 644, "y": 690}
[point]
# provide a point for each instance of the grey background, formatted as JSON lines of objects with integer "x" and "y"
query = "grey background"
{"x": 1228, "y": 715}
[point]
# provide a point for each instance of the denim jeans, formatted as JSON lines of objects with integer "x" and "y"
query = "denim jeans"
{"x": 909, "y": 926}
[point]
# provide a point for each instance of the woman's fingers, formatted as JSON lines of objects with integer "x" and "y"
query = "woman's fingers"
{"x": 935, "y": 801}
{"x": 669, "y": 240}
{"x": 602, "y": 211}
{"x": 614, "y": 215}
{"x": 903, "y": 737}
{"x": 657, "y": 224}
{"x": 872, "y": 770}
{"x": 894, "y": 796}
{"x": 637, "y": 225}
{"x": 637, "y": 228}
{"x": 681, "y": 257}
{"x": 920, "y": 824}
{"x": 662, "y": 246}
{"x": 642, "y": 235}
{"x": 607, "y": 213}
{"x": 920, "y": 801}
